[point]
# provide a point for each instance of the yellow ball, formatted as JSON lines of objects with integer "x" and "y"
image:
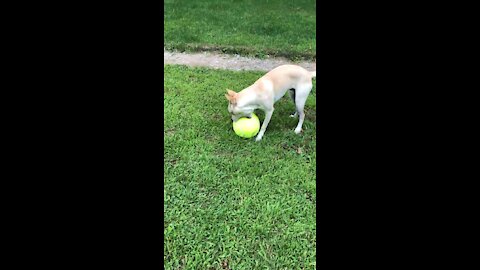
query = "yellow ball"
{"x": 247, "y": 128}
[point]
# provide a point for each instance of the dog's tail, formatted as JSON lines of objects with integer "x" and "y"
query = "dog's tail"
{"x": 313, "y": 74}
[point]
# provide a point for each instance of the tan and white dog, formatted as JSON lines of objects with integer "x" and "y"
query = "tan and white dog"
{"x": 269, "y": 89}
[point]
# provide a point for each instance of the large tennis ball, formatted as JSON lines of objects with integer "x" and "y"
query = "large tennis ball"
{"x": 247, "y": 128}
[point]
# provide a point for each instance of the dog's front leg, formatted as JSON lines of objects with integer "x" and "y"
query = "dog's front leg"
{"x": 268, "y": 116}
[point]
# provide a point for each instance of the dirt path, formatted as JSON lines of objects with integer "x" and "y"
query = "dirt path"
{"x": 232, "y": 62}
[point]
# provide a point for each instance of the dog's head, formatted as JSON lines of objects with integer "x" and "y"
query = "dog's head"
{"x": 234, "y": 108}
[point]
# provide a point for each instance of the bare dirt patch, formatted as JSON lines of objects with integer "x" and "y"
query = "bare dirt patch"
{"x": 231, "y": 62}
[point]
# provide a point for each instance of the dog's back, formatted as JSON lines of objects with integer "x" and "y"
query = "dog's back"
{"x": 284, "y": 78}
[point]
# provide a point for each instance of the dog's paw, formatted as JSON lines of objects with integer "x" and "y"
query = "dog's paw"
{"x": 298, "y": 130}
{"x": 258, "y": 138}
{"x": 293, "y": 115}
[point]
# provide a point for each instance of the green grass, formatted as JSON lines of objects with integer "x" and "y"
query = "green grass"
{"x": 233, "y": 201}
{"x": 246, "y": 27}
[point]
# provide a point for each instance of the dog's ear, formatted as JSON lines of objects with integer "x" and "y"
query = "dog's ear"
{"x": 231, "y": 96}
{"x": 231, "y": 93}
{"x": 232, "y": 100}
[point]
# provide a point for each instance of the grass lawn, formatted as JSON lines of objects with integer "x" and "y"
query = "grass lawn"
{"x": 247, "y": 27}
{"x": 233, "y": 203}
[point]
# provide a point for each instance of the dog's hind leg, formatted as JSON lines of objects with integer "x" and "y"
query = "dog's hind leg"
{"x": 300, "y": 99}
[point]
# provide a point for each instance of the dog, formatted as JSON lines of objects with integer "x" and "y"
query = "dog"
{"x": 269, "y": 89}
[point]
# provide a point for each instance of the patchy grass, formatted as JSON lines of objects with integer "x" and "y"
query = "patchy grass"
{"x": 249, "y": 27}
{"x": 233, "y": 203}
